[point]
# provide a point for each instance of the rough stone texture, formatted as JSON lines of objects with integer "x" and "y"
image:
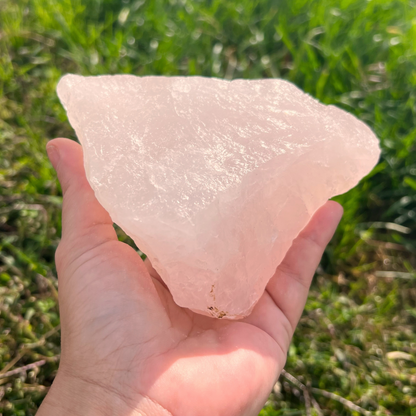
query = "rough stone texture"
{"x": 213, "y": 179}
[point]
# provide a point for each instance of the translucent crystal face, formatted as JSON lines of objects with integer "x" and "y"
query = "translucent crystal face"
{"x": 213, "y": 179}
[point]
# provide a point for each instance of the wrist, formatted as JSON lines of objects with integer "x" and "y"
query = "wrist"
{"x": 69, "y": 396}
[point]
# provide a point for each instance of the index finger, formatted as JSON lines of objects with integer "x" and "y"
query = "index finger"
{"x": 290, "y": 284}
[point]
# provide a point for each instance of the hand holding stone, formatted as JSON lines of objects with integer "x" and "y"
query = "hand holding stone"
{"x": 128, "y": 349}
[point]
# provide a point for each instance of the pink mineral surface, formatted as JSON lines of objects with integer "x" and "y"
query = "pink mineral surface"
{"x": 213, "y": 179}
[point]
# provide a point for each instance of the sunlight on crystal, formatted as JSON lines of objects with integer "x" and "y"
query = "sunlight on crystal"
{"x": 213, "y": 179}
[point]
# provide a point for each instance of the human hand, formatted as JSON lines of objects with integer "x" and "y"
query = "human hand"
{"x": 128, "y": 349}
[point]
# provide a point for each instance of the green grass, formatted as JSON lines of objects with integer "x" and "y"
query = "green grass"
{"x": 359, "y": 55}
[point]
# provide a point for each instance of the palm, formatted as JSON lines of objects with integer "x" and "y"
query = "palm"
{"x": 155, "y": 349}
{"x": 123, "y": 333}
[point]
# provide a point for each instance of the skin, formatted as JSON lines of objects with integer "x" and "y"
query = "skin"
{"x": 128, "y": 349}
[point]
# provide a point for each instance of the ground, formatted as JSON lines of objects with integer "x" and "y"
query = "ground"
{"x": 357, "y": 337}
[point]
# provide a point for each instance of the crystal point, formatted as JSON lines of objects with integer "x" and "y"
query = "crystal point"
{"x": 213, "y": 179}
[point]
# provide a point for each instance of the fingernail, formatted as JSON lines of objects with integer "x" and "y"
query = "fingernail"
{"x": 53, "y": 154}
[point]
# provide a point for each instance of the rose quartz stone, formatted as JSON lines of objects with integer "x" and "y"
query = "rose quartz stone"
{"x": 213, "y": 179}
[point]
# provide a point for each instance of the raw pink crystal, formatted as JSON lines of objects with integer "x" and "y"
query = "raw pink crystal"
{"x": 213, "y": 179}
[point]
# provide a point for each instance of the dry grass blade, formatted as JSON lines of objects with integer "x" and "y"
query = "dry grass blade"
{"x": 347, "y": 403}
{"x": 316, "y": 406}
{"x": 302, "y": 387}
{"x": 12, "y": 363}
{"x": 395, "y": 275}
{"x": 43, "y": 338}
{"x": 28, "y": 367}
{"x": 26, "y": 348}
{"x": 342, "y": 400}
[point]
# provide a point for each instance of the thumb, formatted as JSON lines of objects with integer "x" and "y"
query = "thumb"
{"x": 85, "y": 223}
